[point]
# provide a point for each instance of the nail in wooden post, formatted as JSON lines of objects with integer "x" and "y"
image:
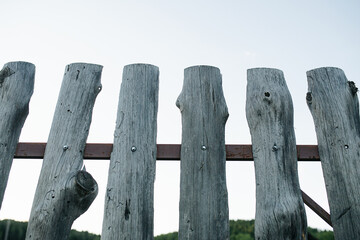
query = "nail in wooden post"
{"x": 64, "y": 191}
{"x": 334, "y": 105}
{"x": 129, "y": 212}
{"x": 16, "y": 88}
{"x": 204, "y": 213}
{"x": 280, "y": 212}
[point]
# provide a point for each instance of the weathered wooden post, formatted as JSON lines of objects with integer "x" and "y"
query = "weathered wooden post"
{"x": 334, "y": 105}
{"x": 280, "y": 212}
{"x": 129, "y": 211}
{"x": 204, "y": 213}
{"x": 16, "y": 88}
{"x": 65, "y": 191}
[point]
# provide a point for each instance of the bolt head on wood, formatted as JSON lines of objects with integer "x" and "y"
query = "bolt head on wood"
{"x": 275, "y": 148}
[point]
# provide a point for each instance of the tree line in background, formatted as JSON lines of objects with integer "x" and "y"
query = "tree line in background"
{"x": 17, "y": 230}
{"x": 239, "y": 230}
{"x": 244, "y": 230}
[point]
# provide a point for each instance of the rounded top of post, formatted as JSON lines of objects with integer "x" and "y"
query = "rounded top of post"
{"x": 202, "y": 73}
{"x": 264, "y": 70}
{"x": 78, "y": 64}
{"x": 141, "y": 65}
{"x": 201, "y": 66}
{"x": 320, "y": 69}
{"x": 20, "y": 62}
{"x": 326, "y": 75}
{"x": 260, "y": 75}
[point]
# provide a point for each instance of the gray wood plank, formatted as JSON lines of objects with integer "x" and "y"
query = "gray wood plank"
{"x": 334, "y": 105}
{"x": 204, "y": 213}
{"x": 64, "y": 191}
{"x": 16, "y": 89}
{"x": 129, "y": 212}
{"x": 280, "y": 212}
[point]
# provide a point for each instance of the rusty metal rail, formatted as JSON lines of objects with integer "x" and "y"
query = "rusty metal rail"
{"x": 171, "y": 152}
{"x": 316, "y": 208}
{"x": 164, "y": 151}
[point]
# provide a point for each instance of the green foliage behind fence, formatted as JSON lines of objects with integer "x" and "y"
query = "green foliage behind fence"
{"x": 244, "y": 230}
{"x": 17, "y": 231}
{"x": 239, "y": 230}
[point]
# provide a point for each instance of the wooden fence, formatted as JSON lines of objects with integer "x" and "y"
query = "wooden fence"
{"x": 65, "y": 190}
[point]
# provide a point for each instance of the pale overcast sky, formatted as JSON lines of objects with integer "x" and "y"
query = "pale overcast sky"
{"x": 294, "y": 36}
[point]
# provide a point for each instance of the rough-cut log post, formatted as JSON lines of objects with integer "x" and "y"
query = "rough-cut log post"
{"x": 204, "y": 213}
{"x": 334, "y": 105}
{"x": 129, "y": 211}
{"x": 64, "y": 191}
{"x": 280, "y": 212}
{"x": 16, "y": 88}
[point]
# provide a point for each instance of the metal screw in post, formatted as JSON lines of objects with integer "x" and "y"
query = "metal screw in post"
{"x": 203, "y": 147}
{"x": 275, "y": 148}
{"x": 65, "y": 147}
{"x": 133, "y": 148}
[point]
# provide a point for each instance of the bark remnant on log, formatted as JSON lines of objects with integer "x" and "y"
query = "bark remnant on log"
{"x": 204, "y": 212}
{"x": 64, "y": 191}
{"x": 334, "y": 105}
{"x": 280, "y": 212}
{"x": 16, "y": 89}
{"x": 129, "y": 211}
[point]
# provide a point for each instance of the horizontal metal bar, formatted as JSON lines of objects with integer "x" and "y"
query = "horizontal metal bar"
{"x": 316, "y": 208}
{"x": 30, "y": 150}
{"x": 234, "y": 152}
{"x": 171, "y": 152}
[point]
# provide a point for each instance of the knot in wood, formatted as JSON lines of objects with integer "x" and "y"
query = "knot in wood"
{"x": 86, "y": 181}
{"x": 308, "y": 97}
{"x": 353, "y": 87}
{"x": 4, "y": 73}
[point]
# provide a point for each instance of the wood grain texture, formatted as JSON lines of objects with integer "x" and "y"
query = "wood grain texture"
{"x": 16, "y": 88}
{"x": 204, "y": 213}
{"x": 129, "y": 211}
{"x": 64, "y": 191}
{"x": 280, "y": 212}
{"x": 334, "y": 105}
